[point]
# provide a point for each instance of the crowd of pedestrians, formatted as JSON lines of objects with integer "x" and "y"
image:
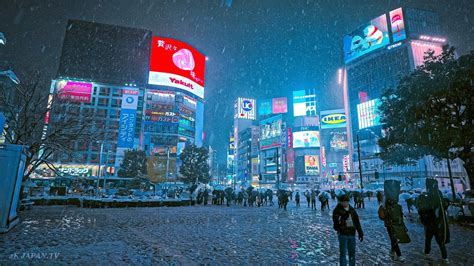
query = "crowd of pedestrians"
{"x": 430, "y": 205}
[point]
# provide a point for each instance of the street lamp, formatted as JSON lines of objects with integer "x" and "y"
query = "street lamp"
{"x": 100, "y": 164}
{"x": 3, "y": 39}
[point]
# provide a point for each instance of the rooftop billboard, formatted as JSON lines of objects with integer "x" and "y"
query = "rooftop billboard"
{"x": 246, "y": 109}
{"x": 366, "y": 39}
{"x": 397, "y": 24}
{"x": 304, "y": 103}
{"x": 176, "y": 64}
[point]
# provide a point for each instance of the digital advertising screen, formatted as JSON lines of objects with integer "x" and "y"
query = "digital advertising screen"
{"x": 311, "y": 164}
{"x": 74, "y": 91}
{"x": 246, "y": 109}
{"x": 366, "y": 39}
{"x": 264, "y": 107}
{"x": 271, "y": 132}
{"x": 397, "y": 24}
{"x": 306, "y": 139}
{"x": 333, "y": 119}
{"x": 304, "y": 103}
{"x": 368, "y": 113}
{"x": 280, "y": 105}
{"x": 338, "y": 141}
{"x": 176, "y": 64}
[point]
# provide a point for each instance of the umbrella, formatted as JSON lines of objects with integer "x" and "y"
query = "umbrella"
{"x": 325, "y": 195}
{"x": 219, "y": 187}
{"x": 228, "y": 190}
{"x": 404, "y": 196}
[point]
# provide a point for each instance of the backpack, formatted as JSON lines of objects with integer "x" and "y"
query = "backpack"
{"x": 381, "y": 212}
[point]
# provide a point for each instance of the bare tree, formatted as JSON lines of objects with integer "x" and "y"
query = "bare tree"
{"x": 46, "y": 124}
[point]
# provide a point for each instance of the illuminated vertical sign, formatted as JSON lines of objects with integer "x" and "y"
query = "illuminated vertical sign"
{"x": 127, "y": 122}
{"x": 290, "y": 159}
{"x": 290, "y": 138}
{"x": 323, "y": 156}
{"x": 397, "y": 24}
{"x": 246, "y": 109}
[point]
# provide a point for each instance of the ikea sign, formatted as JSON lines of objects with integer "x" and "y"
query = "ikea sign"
{"x": 333, "y": 118}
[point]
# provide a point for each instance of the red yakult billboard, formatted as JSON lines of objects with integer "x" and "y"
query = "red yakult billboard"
{"x": 176, "y": 64}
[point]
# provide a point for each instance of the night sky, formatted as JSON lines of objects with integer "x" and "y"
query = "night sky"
{"x": 255, "y": 48}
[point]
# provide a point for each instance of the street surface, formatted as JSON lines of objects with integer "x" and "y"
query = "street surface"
{"x": 208, "y": 234}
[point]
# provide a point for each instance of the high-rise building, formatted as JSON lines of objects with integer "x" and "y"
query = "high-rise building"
{"x": 245, "y": 114}
{"x": 143, "y": 92}
{"x": 376, "y": 56}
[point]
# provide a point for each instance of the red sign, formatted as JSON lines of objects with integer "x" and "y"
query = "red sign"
{"x": 290, "y": 138}
{"x": 323, "y": 155}
{"x": 176, "y": 64}
{"x": 279, "y": 105}
{"x": 74, "y": 91}
{"x": 290, "y": 159}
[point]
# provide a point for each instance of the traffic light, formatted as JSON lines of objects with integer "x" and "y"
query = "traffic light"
{"x": 260, "y": 177}
{"x": 339, "y": 178}
{"x": 376, "y": 175}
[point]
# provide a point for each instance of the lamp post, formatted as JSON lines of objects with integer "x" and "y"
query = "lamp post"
{"x": 100, "y": 164}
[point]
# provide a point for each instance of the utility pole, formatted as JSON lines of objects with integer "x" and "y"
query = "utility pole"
{"x": 358, "y": 156}
{"x": 100, "y": 164}
{"x": 277, "y": 170}
{"x": 167, "y": 162}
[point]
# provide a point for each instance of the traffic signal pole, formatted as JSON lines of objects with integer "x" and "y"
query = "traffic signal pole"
{"x": 358, "y": 156}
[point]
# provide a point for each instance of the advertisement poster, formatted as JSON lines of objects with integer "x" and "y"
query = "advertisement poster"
{"x": 246, "y": 109}
{"x": 338, "y": 141}
{"x": 323, "y": 156}
{"x": 304, "y": 103}
{"x": 306, "y": 139}
{"x": 290, "y": 159}
{"x": 280, "y": 105}
{"x": 397, "y": 24}
{"x": 311, "y": 164}
{"x": 368, "y": 38}
{"x": 333, "y": 119}
{"x": 176, "y": 64}
{"x": 368, "y": 113}
{"x": 264, "y": 107}
{"x": 74, "y": 91}
{"x": 271, "y": 132}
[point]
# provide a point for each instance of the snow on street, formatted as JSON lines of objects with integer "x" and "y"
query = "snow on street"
{"x": 208, "y": 234}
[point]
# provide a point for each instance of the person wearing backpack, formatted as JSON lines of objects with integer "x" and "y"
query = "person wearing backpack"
{"x": 346, "y": 223}
{"x": 432, "y": 212}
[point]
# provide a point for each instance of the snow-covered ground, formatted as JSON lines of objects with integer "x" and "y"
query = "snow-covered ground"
{"x": 208, "y": 234}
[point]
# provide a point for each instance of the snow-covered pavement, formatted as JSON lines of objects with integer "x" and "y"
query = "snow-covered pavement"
{"x": 207, "y": 234}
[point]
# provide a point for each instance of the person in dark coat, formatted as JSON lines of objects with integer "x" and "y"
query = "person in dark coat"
{"x": 313, "y": 200}
{"x": 432, "y": 211}
{"x": 388, "y": 220}
{"x": 379, "y": 197}
{"x": 297, "y": 199}
{"x": 205, "y": 196}
{"x": 346, "y": 223}
{"x": 308, "y": 197}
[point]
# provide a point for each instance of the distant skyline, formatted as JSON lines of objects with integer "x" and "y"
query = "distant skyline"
{"x": 256, "y": 49}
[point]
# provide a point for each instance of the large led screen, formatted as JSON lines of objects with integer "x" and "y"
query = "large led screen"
{"x": 264, "y": 107}
{"x": 304, "y": 103}
{"x": 306, "y": 139}
{"x": 271, "y": 132}
{"x": 365, "y": 39}
{"x": 368, "y": 114}
{"x": 311, "y": 164}
{"x": 74, "y": 91}
{"x": 279, "y": 105}
{"x": 397, "y": 24}
{"x": 176, "y": 64}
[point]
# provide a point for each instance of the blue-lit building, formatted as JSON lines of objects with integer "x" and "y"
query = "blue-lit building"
{"x": 376, "y": 56}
